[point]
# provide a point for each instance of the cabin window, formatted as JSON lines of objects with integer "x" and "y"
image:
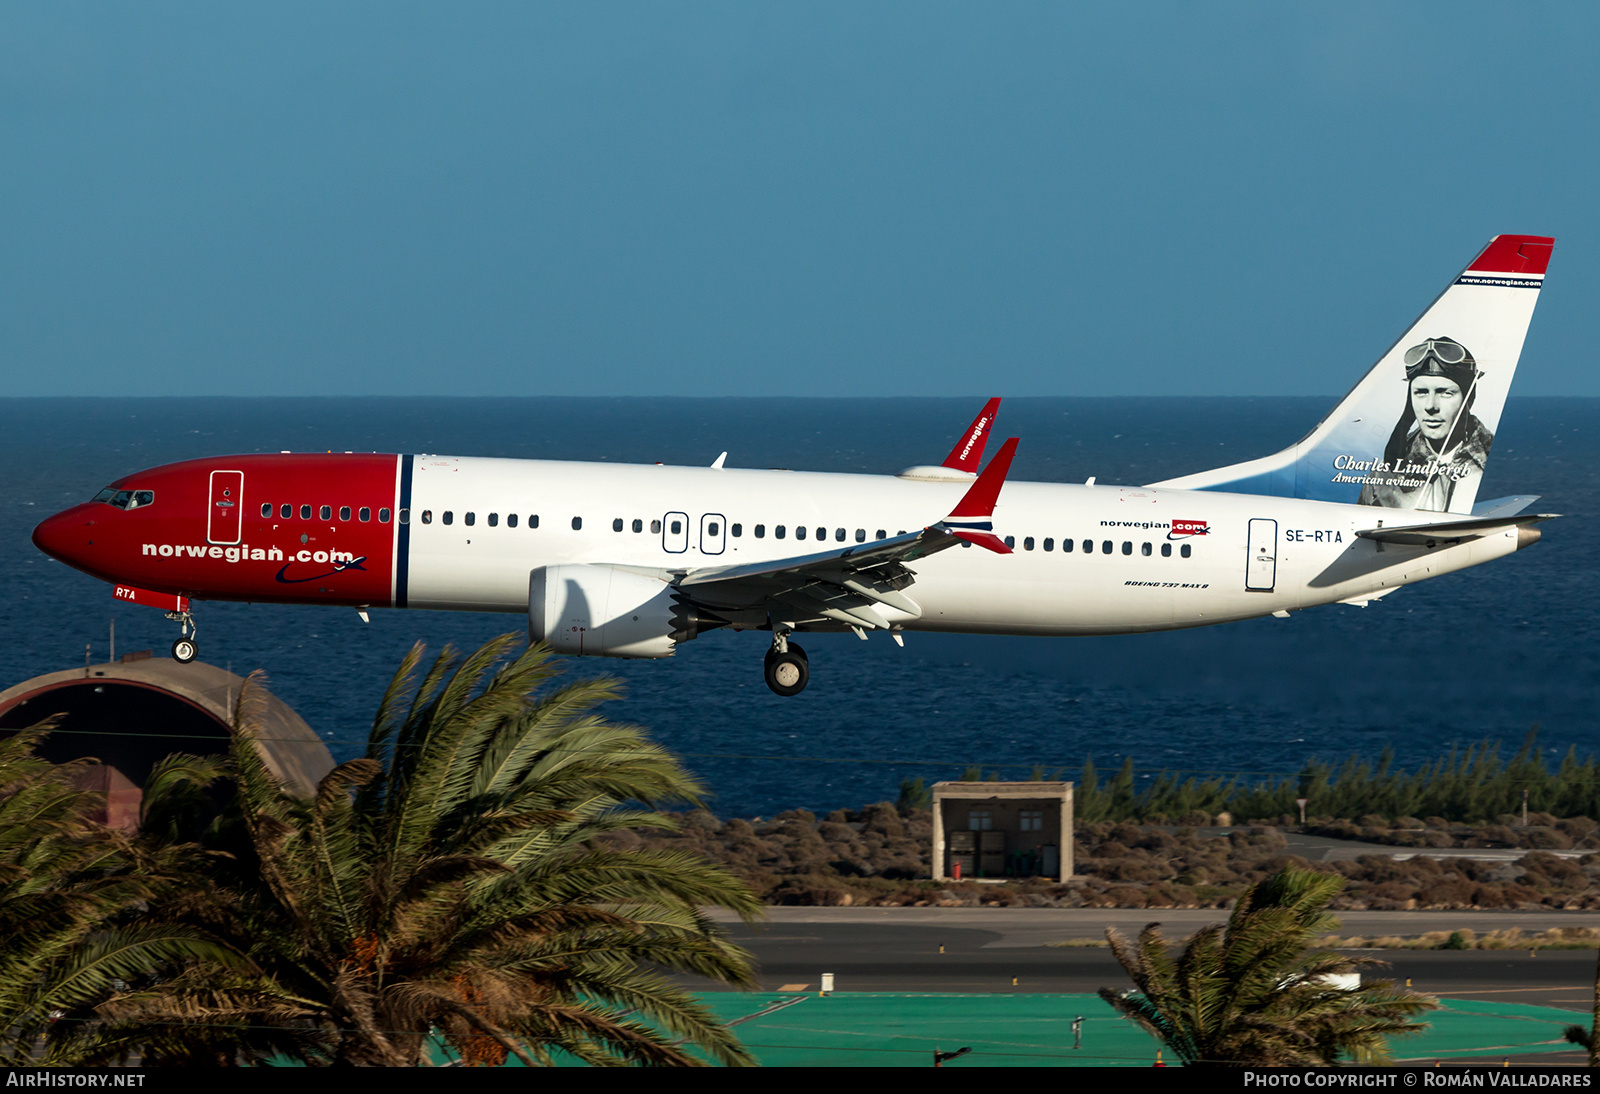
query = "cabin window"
{"x": 1011, "y": 541}
{"x": 494, "y": 520}
{"x": 616, "y": 524}
{"x": 1027, "y": 543}
{"x": 469, "y": 519}
{"x": 364, "y": 513}
{"x": 712, "y": 528}
{"x": 511, "y": 520}
{"x": 800, "y": 531}
{"x": 448, "y": 518}
{"x": 305, "y": 512}
{"x": 1067, "y": 545}
{"x": 736, "y": 530}
{"x": 344, "y": 512}
{"x": 638, "y": 525}
{"x": 655, "y": 527}
{"x": 1127, "y": 546}
{"x": 325, "y": 513}
{"x": 533, "y": 520}
{"x": 1145, "y": 550}
{"x": 861, "y": 535}
{"x": 1106, "y": 547}
{"x": 676, "y": 528}
{"x": 1166, "y": 550}
{"x": 777, "y": 533}
{"x": 286, "y": 511}
{"x": 761, "y": 531}
{"x": 577, "y": 524}
{"x": 427, "y": 516}
{"x": 838, "y": 534}
{"x": 822, "y": 533}
{"x": 882, "y": 534}
{"x": 1049, "y": 544}
{"x": 1184, "y": 550}
{"x": 266, "y": 509}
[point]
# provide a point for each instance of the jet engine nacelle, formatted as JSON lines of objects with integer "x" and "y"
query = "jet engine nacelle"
{"x": 602, "y": 611}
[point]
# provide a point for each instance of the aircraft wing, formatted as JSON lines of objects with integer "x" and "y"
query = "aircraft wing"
{"x": 1452, "y": 531}
{"x": 853, "y": 584}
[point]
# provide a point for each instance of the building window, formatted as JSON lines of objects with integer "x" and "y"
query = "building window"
{"x": 980, "y": 820}
{"x": 1031, "y": 820}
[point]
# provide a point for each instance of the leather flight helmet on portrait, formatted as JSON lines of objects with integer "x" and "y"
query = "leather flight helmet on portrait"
{"x": 1436, "y": 357}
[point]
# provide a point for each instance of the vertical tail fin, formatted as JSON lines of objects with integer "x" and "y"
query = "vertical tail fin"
{"x": 1415, "y": 432}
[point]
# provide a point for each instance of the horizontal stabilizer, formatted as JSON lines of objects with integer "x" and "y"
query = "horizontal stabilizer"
{"x": 1504, "y": 507}
{"x": 1451, "y": 531}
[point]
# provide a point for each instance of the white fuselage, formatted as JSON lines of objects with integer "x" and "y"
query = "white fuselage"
{"x": 1256, "y": 555}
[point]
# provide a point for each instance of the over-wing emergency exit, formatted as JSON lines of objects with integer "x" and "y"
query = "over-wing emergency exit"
{"x": 631, "y": 561}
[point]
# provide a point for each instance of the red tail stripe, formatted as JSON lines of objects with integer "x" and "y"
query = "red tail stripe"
{"x": 1515, "y": 254}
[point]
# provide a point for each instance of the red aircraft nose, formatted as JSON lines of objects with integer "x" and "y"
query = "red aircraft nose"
{"x": 65, "y": 535}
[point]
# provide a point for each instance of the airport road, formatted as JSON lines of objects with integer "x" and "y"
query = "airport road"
{"x": 983, "y": 949}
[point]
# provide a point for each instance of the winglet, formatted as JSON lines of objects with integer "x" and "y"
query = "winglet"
{"x": 968, "y": 452}
{"x": 969, "y": 520}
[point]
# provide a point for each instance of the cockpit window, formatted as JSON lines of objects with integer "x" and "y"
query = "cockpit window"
{"x": 126, "y": 499}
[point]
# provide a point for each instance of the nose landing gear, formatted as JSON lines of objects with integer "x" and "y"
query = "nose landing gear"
{"x": 787, "y": 668}
{"x": 184, "y": 649}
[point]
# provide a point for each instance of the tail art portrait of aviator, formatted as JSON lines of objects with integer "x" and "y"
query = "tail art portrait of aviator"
{"x": 1437, "y": 445}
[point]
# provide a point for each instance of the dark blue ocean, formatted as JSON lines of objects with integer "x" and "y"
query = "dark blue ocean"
{"x": 1487, "y": 653}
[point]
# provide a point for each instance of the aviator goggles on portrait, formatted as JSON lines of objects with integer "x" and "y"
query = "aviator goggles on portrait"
{"x": 1440, "y": 349}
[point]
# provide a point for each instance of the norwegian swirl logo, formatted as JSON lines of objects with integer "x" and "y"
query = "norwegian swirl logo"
{"x": 1183, "y": 529}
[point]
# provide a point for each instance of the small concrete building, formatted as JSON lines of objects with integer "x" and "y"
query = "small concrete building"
{"x": 128, "y": 715}
{"x": 997, "y": 830}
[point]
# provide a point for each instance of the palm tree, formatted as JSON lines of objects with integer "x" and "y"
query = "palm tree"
{"x": 454, "y": 884}
{"x": 69, "y": 898}
{"x": 1589, "y": 1038}
{"x": 1252, "y": 992}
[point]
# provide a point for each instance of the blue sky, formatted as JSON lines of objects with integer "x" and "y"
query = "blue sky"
{"x": 762, "y": 199}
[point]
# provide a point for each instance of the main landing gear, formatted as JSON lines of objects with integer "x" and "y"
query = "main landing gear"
{"x": 788, "y": 671}
{"x": 184, "y": 649}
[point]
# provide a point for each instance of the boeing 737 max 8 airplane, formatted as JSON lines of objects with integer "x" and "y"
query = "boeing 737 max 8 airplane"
{"x": 631, "y": 561}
